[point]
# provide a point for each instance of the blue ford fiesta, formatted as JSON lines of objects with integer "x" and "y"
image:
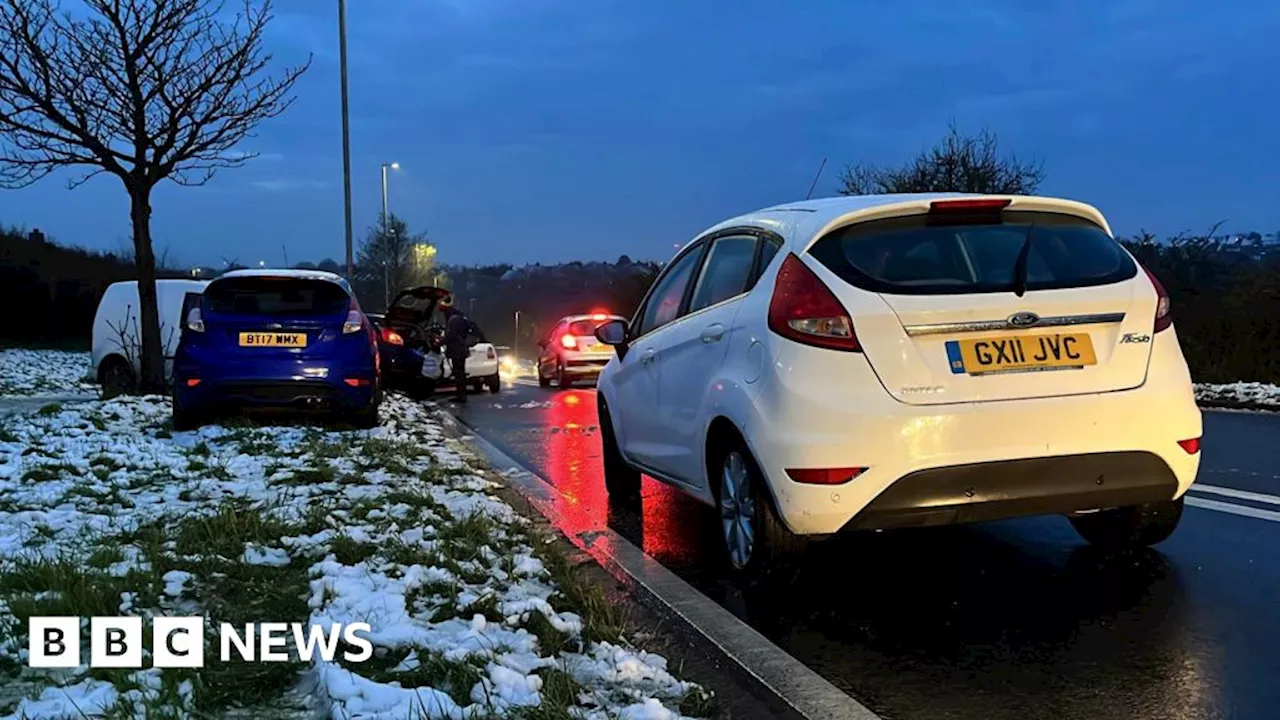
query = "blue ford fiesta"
{"x": 283, "y": 339}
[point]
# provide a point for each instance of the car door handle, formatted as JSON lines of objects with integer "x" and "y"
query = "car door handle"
{"x": 713, "y": 333}
{"x": 648, "y": 356}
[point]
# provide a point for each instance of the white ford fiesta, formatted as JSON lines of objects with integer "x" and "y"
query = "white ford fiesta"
{"x": 903, "y": 361}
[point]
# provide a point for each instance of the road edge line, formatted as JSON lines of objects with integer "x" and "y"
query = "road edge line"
{"x": 1232, "y": 508}
{"x": 799, "y": 687}
{"x": 1237, "y": 494}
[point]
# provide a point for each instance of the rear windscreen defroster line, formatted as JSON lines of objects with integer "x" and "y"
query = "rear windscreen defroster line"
{"x": 917, "y": 255}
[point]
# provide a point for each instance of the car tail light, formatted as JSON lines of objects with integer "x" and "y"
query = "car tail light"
{"x": 491, "y": 354}
{"x": 968, "y": 205}
{"x": 805, "y": 310}
{"x": 192, "y": 382}
{"x": 391, "y": 337}
{"x": 824, "y": 476}
{"x": 195, "y": 320}
{"x": 599, "y": 317}
{"x": 1191, "y": 446}
{"x": 569, "y": 341}
{"x": 358, "y": 382}
{"x": 355, "y": 320}
{"x": 1164, "y": 308}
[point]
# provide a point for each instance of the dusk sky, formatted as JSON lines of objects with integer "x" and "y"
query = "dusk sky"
{"x": 552, "y": 130}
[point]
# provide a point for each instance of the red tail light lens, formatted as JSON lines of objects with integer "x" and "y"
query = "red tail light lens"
{"x": 358, "y": 382}
{"x": 805, "y": 310}
{"x": 824, "y": 476}
{"x": 192, "y": 382}
{"x": 1192, "y": 446}
{"x": 569, "y": 341}
{"x": 355, "y": 320}
{"x": 391, "y": 337}
{"x": 1164, "y": 309}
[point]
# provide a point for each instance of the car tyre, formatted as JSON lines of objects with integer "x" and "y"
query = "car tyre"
{"x": 117, "y": 379}
{"x": 562, "y": 378}
{"x": 365, "y": 418}
{"x": 543, "y": 380}
{"x": 494, "y": 383}
{"x": 754, "y": 538}
{"x": 620, "y": 479}
{"x": 185, "y": 419}
{"x": 478, "y": 384}
{"x": 1132, "y": 526}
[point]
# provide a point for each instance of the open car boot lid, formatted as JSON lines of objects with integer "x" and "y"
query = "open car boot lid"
{"x": 414, "y": 306}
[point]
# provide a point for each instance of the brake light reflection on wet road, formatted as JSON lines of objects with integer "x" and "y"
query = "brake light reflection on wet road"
{"x": 669, "y": 527}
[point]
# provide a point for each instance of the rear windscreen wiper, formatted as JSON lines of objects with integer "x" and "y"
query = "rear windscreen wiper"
{"x": 1020, "y": 266}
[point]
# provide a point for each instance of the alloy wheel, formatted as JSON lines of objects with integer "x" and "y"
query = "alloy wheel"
{"x": 737, "y": 510}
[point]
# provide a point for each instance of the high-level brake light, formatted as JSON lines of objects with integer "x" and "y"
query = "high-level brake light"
{"x": 968, "y": 205}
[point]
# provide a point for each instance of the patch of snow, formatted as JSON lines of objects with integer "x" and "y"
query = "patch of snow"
{"x": 274, "y": 557}
{"x": 1262, "y": 396}
{"x": 31, "y": 373}
{"x": 83, "y": 480}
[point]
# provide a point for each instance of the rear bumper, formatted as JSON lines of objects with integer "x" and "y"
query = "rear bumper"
{"x": 277, "y": 385}
{"x": 582, "y": 368}
{"x": 1016, "y": 488}
{"x": 969, "y": 461}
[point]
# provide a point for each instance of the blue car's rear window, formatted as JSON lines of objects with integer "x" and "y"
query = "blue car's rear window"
{"x": 276, "y": 296}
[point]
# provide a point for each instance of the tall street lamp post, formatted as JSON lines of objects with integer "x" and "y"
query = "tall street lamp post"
{"x": 346, "y": 134}
{"x": 386, "y": 238}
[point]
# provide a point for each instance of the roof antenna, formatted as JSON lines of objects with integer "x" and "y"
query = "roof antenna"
{"x": 815, "y": 179}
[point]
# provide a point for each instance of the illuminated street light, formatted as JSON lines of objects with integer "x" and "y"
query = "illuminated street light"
{"x": 386, "y": 232}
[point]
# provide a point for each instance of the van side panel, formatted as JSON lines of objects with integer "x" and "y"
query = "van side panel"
{"x": 118, "y": 311}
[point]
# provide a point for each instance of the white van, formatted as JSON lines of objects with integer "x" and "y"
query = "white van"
{"x": 117, "y": 338}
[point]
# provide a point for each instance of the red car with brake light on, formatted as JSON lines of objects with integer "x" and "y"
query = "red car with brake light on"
{"x": 571, "y": 351}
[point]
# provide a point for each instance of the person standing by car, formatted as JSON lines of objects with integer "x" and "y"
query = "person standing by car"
{"x": 458, "y": 331}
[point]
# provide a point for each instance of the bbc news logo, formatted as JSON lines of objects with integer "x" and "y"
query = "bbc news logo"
{"x": 179, "y": 642}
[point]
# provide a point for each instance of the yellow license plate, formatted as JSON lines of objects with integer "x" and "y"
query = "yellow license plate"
{"x": 260, "y": 339}
{"x": 1021, "y": 353}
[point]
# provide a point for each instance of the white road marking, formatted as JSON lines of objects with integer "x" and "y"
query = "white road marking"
{"x": 1237, "y": 494}
{"x": 1234, "y": 509}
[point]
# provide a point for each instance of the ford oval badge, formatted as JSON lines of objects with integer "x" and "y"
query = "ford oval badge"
{"x": 1023, "y": 319}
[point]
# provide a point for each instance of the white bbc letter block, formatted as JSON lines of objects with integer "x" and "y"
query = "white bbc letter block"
{"x": 53, "y": 642}
{"x": 177, "y": 642}
{"x": 115, "y": 642}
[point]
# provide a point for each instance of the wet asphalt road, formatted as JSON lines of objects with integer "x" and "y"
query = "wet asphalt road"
{"x": 1014, "y": 619}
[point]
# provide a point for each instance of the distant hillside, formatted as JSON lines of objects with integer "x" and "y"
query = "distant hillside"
{"x": 545, "y": 293}
{"x": 51, "y": 292}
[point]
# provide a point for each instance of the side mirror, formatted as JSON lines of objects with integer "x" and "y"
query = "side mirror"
{"x": 613, "y": 333}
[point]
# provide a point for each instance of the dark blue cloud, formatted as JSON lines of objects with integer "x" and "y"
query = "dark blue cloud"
{"x": 557, "y": 129}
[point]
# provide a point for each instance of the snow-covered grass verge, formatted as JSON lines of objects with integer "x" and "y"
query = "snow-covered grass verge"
{"x": 474, "y": 614}
{"x": 1246, "y": 395}
{"x": 25, "y": 373}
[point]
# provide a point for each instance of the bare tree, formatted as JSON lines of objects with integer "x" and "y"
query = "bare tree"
{"x": 145, "y": 90}
{"x": 390, "y": 259}
{"x": 958, "y": 163}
